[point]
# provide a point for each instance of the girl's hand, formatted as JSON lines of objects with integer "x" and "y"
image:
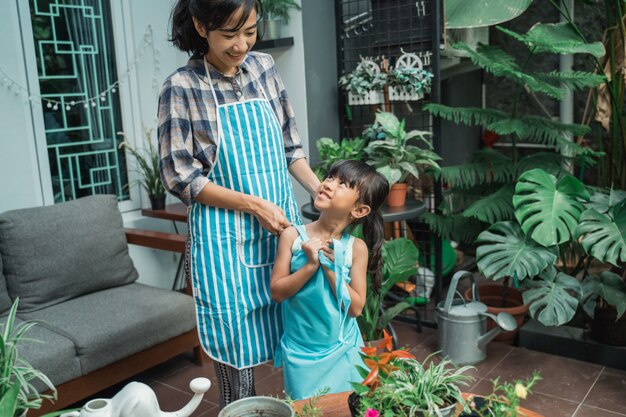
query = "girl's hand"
{"x": 311, "y": 248}
{"x": 328, "y": 250}
{"x": 269, "y": 215}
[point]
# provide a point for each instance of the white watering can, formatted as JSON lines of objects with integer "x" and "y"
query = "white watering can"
{"x": 138, "y": 400}
{"x": 462, "y": 325}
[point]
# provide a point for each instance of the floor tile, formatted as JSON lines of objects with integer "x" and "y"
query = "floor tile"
{"x": 172, "y": 399}
{"x": 563, "y": 378}
{"x": 609, "y": 391}
{"x": 588, "y": 411}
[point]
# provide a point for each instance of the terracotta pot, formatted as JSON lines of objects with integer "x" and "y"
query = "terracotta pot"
{"x": 606, "y": 329}
{"x": 397, "y": 195}
{"x": 491, "y": 295}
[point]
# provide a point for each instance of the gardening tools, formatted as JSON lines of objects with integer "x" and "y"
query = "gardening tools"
{"x": 462, "y": 324}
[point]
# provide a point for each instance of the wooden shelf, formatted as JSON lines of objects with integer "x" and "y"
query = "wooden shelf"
{"x": 273, "y": 43}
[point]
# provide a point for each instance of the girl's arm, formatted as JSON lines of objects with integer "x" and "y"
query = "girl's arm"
{"x": 283, "y": 283}
{"x": 358, "y": 277}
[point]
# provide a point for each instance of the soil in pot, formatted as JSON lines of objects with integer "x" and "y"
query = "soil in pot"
{"x": 354, "y": 400}
{"x": 491, "y": 295}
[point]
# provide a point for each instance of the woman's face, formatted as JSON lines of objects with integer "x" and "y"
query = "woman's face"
{"x": 227, "y": 47}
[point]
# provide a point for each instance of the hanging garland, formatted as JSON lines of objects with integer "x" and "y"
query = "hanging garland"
{"x": 147, "y": 42}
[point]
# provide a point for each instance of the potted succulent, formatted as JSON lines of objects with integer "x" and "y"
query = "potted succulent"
{"x": 408, "y": 80}
{"x": 396, "y": 158}
{"x": 400, "y": 257}
{"x": 17, "y": 392}
{"x": 556, "y": 217}
{"x": 275, "y": 12}
{"x": 395, "y": 383}
{"x": 147, "y": 160}
{"x": 364, "y": 84}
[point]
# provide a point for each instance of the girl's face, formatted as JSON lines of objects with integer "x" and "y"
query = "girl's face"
{"x": 335, "y": 194}
{"x": 228, "y": 47}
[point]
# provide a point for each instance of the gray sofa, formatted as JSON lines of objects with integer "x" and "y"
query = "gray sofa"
{"x": 69, "y": 266}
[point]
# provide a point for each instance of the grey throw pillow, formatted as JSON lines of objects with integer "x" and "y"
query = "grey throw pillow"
{"x": 55, "y": 253}
{"x": 5, "y": 301}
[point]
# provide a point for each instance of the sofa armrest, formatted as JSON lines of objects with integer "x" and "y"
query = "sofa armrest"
{"x": 156, "y": 240}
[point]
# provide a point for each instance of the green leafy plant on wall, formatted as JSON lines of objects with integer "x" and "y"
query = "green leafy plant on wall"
{"x": 331, "y": 151}
{"x": 279, "y": 9}
{"x": 480, "y": 192}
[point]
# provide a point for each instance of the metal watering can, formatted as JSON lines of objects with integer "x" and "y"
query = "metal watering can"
{"x": 462, "y": 325}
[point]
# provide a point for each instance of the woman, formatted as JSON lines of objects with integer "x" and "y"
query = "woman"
{"x": 228, "y": 141}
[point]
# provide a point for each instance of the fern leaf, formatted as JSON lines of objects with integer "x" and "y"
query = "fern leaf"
{"x": 495, "y": 207}
{"x": 575, "y": 80}
{"x": 551, "y": 162}
{"x": 538, "y": 129}
{"x": 471, "y": 116}
{"x": 469, "y": 175}
{"x": 455, "y": 227}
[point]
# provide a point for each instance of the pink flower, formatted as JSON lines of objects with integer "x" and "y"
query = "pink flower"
{"x": 371, "y": 413}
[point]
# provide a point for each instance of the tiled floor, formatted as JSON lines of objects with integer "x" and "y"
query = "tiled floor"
{"x": 569, "y": 388}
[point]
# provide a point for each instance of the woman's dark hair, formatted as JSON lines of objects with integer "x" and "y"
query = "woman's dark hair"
{"x": 372, "y": 188}
{"x": 213, "y": 14}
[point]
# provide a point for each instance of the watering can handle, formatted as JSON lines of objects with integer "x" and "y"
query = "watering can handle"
{"x": 452, "y": 290}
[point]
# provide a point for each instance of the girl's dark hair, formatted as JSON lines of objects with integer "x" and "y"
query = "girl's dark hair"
{"x": 213, "y": 14}
{"x": 372, "y": 188}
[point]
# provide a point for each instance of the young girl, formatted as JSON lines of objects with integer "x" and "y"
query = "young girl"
{"x": 320, "y": 278}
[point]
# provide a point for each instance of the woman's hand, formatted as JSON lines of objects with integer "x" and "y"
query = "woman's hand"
{"x": 311, "y": 248}
{"x": 269, "y": 215}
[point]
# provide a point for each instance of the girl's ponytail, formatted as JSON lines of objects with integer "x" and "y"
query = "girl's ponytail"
{"x": 374, "y": 236}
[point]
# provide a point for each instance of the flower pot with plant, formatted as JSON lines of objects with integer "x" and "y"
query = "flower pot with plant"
{"x": 557, "y": 218}
{"x": 395, "y": 383}
{"x": 400, "y": 258}
{"x": 147, "y": 160}
{"x": 396, "y": 157}
{"x": 364, "y": 84}
{"x": 276, "y": 13}
{"x": 408, "y": 80}
{"x": 331, "y": 151}
{"x": 17, "y": 391}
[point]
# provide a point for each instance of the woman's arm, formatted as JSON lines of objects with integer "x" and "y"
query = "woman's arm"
{"x": 302, "y": 172}
{"x": 283, "y": 283}
{"x": 358, "y": 277}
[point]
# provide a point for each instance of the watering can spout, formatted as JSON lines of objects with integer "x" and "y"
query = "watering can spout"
{"x": 504, "y": 321}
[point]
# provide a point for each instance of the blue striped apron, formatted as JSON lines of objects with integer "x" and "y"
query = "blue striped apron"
{"x": 231, "y": 255}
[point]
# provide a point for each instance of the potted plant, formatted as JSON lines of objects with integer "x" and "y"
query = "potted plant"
{"x": 17, "y": 375}
{"x": 400, "y": 257}
{"x": 147, "y": 160}
{"x": 395, "y": 383}
{"x": 331, "y": 151}
{"x": 504, "y": 399}
{"x": 396, "y": 157}
{"x": 556, "y": 217}
{"x": 408, "y": 80}
{"x": 275, "y": 12}
{"x": 364, "y": 84}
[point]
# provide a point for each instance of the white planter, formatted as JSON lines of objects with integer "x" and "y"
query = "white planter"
{"x": 373, "y": 97}
{"x": 396, "y": 94}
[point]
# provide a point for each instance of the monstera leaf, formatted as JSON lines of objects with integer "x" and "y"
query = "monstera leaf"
{"x": 553, "y": 300}
{"x": 609, "y": 287}
{"x": 548, "y": 209}
{"x": 476, "y": 13}
{"x": 505, "y": 251}
{"x": 603, "y": 202}
{"x": 603, "y": 236}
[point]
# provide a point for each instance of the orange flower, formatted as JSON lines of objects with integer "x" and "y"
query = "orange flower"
{"x": 383, "y": 364}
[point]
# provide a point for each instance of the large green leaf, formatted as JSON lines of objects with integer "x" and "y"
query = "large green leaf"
{"x": 476, "y": 13}
{"x": 602, "y": 202}
{"x": 8, "y": 402}
{"x": 603, "y": 236}
{"x": 388, "y": 121}
{"x": 400, "y": 258}
{"x": 609, "y": 287}
{"x": 553, "y": 300}
{"x": 494, "y": 207}
{"x": 504, "y": 250}
{"x": 548, "y": 209}
{"x": 558, "y": 38}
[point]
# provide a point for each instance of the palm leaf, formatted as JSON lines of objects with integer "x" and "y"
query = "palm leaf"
{"x": 608, "y": 287}
{"x": 548, "y": 209}
{"x": 558, "y": 38}
{"x": 486, "y": 167}
{"x": 548, "y": 161}
{"x": 504, "y": 250}
{"x": 604, "y": 236}
{"x": 537, "y": 129}
{"x": 471, "y": 116}
{"x": 551, "y": 300}
{"x": 453, "y": 227}
{"x": 493, "y": 208}
{"x": 575, "y": 80}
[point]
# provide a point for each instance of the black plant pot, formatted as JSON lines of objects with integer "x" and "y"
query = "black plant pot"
{"x": 354, "y": 401}
{"x": 157, "y": 202}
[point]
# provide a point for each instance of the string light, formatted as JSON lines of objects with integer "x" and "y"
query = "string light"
{"x": 147, "y": 42}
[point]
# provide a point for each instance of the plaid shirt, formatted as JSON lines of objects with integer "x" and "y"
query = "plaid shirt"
{"x": 187, "y": 118}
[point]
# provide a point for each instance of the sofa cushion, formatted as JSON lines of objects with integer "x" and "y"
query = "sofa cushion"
{"x": 112, "y": 324}
{"x": 5, "y": 301}
{"x": 55, "y": 253}
{"x": 50, "y": 353}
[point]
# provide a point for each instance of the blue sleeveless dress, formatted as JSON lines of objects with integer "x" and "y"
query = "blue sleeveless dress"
{"x": 320, "y": 345}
